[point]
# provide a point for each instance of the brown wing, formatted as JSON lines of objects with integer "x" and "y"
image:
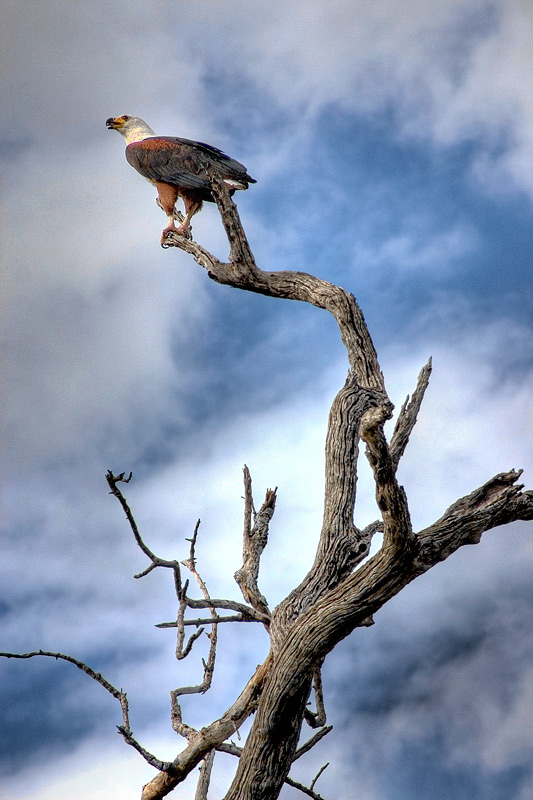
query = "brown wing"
{"x": 228, "y": 167}
{"x": 183, "y": 163}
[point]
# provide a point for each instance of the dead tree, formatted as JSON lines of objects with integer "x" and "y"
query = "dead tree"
{"x": 343, "y": 588}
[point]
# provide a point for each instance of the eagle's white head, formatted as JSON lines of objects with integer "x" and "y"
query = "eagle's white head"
{"x": 133, "y": 129}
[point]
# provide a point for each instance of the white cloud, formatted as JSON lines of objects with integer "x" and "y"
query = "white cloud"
{"x": 419, "y": 250}
{"x": 474, "y": 422}
{"x": 451, "y": 72}
{"x": 67, "y": 68}
{"x": 92, "y": 772}
{"x": 91, "y": 305}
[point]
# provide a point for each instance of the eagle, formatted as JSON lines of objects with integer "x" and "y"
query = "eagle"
{"x": 177, "y": 168}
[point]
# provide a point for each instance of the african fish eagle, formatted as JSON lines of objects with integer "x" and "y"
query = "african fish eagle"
{"x": 177, "y": 168}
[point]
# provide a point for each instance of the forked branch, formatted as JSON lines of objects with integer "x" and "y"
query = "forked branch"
{"x": 255, "y": 537}
{"x": 112, "y": 481}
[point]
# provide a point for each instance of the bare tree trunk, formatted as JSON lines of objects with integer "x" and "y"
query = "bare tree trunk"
{"x": 334, "y": 598}
{"x": 339, "y": 593}
{"x": 272, "y": 740}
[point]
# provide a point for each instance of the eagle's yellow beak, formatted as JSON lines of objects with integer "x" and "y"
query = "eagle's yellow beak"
{"x": 114, "y": 122}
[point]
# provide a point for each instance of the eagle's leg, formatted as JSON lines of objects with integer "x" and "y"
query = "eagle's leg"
{"x": 192, "y": 207}
{"x": 171, "y": 228}
{"x": 176, "y": 212}
{"x": 167, "y": 200}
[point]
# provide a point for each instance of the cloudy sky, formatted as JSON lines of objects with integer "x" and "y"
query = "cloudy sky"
{"x": 392, "y": 146}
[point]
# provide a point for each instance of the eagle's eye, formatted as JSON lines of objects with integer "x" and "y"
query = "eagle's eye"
{"x": 126, "y": 117}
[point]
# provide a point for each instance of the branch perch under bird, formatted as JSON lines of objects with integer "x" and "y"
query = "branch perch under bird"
{"x": 177, "y": 168}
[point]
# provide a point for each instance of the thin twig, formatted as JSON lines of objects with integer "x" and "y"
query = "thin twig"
{"x": 233, "y": 750}
{"x": 181, "y": 651}
{"x": 112, "y": 480}
{"x": 121, "y": 696}
{"x": 408, "y": 414}
{"x": 117, "y": 693}
{"x": 229, "y": 605}
{"x": 184, "y": 652}
{"x": 190, "y": 563}
{"x": 162, "y": 766}
{"x": 207, "y": 621}
{"x": 317, "y": 776}
{"x": 315, "y": 739}
{"x": 209, "y": 665}
{"x": 302, "y": 788}
{"x": 176, "y": 718}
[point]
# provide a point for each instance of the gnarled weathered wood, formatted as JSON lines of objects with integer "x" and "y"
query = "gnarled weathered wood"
{"x": 343, "y": 589}
{"x": 333, "y": 599}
